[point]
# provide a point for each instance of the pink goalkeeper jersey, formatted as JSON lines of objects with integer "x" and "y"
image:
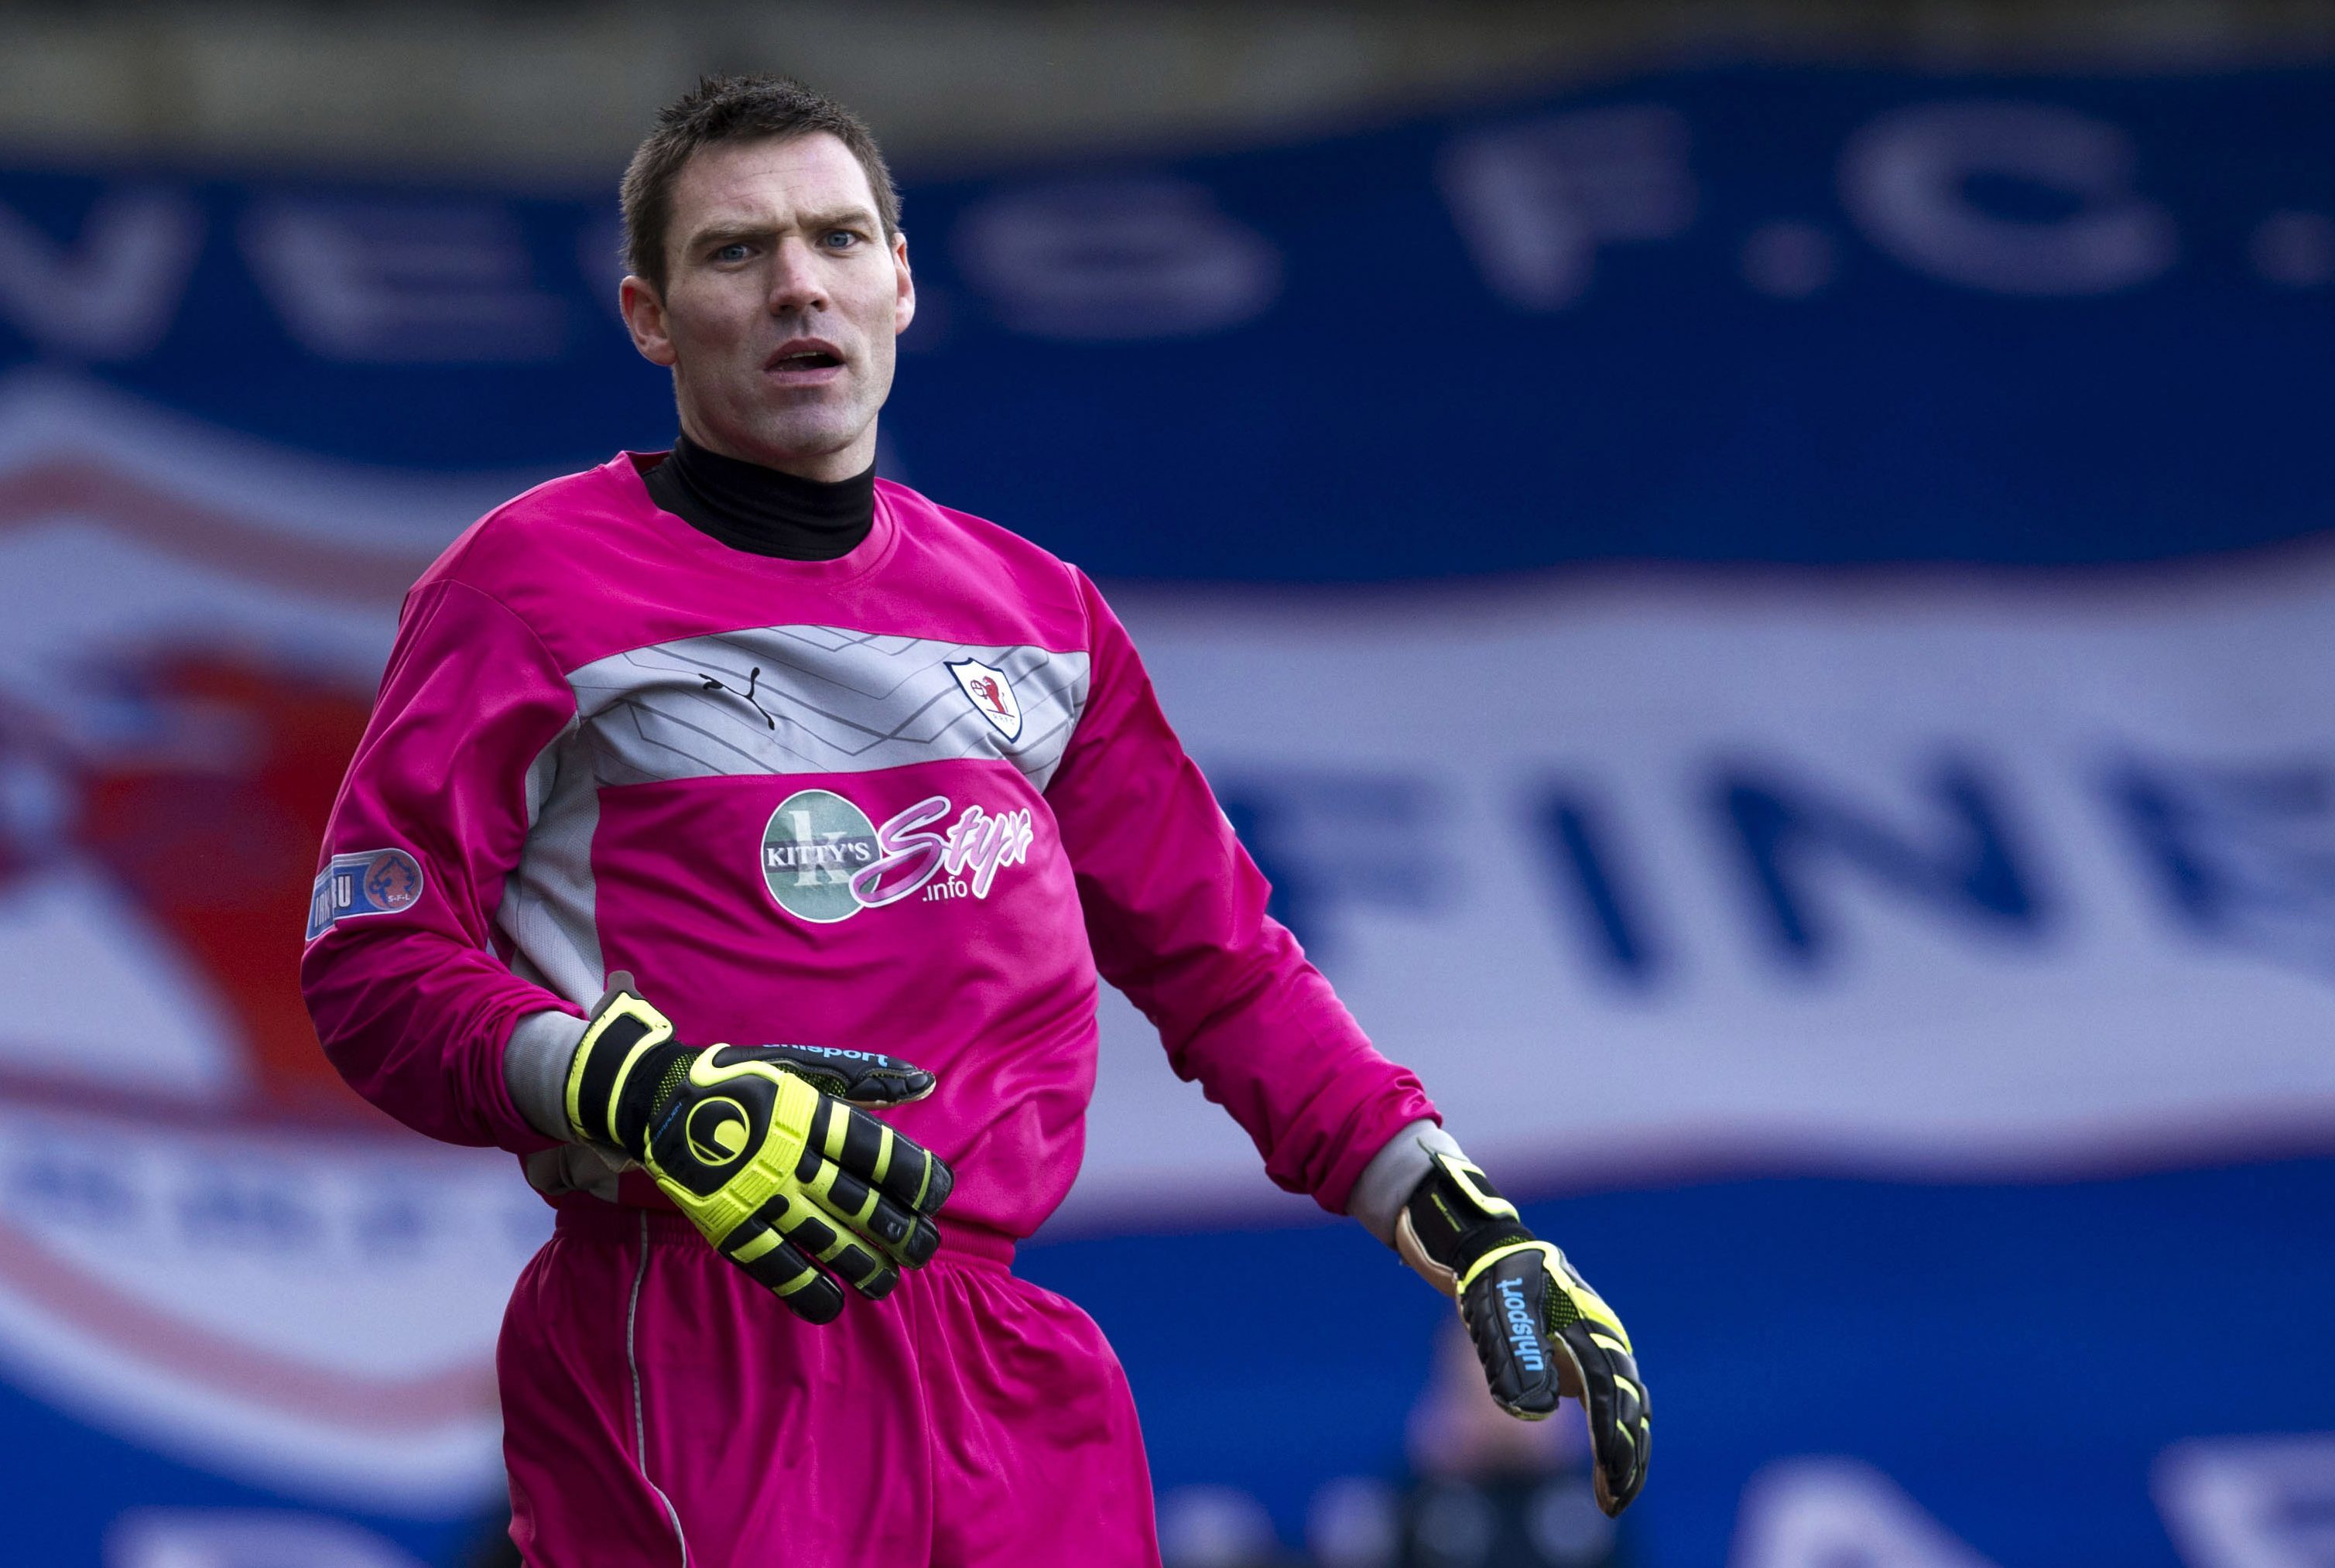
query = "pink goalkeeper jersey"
{"x": 908, "y": 801}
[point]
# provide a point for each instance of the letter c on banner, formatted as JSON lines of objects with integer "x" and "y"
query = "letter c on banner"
{"x": 1905, "y": 179}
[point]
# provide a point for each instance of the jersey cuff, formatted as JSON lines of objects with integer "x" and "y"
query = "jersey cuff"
{"x": 1386, "y": 1183}
{"x": 535, "y": 1070}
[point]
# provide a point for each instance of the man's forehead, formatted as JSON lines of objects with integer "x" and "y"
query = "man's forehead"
{"x": 773, "y": 177}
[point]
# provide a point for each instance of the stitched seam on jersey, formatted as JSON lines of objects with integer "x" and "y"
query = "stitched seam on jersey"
{"x": 640, "y": 1421}
{"x": 1079, "y": 583}
{"x": 526, "y": 625}
{"x": 1071, "y": 575}
{"x": 537, "y": 927}
{"x": 575, "y": 716}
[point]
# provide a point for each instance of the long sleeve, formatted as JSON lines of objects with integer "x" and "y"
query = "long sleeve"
{"x": 400, "y": 973}
{"x": 1174, "y": 911}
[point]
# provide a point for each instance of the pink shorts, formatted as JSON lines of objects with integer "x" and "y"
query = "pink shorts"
{"x": 659, "y": 1408}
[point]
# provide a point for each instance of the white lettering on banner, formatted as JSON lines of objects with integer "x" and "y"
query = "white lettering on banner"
{"x": 1833, "y": 1513}
{"x": 1117, "y": 261}
{"x": 404, "y": 284}
{"x": 2250, "y": 1502}
{"x": 112, "y": 295}
{"x": 1942, "y": 875}
{"x": 2025, "y": 199}
{"x": 1535, "y": 201}
{"x": 1907, "y": 180}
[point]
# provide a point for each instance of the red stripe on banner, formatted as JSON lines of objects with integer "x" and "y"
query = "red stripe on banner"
{"x": 99, "y": 495}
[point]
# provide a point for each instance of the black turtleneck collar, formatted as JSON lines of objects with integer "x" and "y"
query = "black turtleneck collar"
{"x": 750, "y": 508}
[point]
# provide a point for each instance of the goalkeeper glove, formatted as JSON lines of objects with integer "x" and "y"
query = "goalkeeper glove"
{"x": 756, "y": 1145}
{"x": 1539, "y": 1330}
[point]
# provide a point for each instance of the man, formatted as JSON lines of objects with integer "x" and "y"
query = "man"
{"x": 742, "y": 744}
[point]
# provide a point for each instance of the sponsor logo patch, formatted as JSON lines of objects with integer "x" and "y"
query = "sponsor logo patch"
{"x": 824, "y": 861}
{"x": 369, "y": 882}
{"x": 813, "y": 845}
{"x": 992, "y": 694}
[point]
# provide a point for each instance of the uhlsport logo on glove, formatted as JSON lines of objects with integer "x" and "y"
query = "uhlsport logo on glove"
{"x": 1522, "y": 1334}
{"x": 824, "y": 861}
{"x": 718, "y": 1131}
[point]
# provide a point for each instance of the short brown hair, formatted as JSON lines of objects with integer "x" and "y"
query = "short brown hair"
{"x": 734, "y": 109}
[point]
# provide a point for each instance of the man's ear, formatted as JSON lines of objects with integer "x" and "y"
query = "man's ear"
{"x": 644, "y": 319}
{"x": 904, "y": 305}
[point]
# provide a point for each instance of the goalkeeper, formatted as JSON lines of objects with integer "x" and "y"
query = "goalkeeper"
{"x": 737, "y": 839}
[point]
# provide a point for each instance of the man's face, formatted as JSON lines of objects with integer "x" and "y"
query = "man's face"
{"x": 780, "y": 305}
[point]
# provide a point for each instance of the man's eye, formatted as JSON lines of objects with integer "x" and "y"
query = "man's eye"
{"x": 840, "y": 239}
{"x": 736, "y": 250}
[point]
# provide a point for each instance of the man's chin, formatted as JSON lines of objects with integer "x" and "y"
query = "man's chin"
{"x": 794, "y": 444}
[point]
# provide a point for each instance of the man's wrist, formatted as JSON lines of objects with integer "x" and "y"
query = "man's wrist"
{"x": 1394, "y": 1172}
{"x": 535, "y": 1070}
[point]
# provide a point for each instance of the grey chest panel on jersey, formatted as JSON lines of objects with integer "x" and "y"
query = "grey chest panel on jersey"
{"x": 821, "y": 699}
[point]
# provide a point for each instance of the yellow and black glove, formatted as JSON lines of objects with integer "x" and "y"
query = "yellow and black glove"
{"x": 1539, "y": 1330}
{"x": 757, "y": 1147}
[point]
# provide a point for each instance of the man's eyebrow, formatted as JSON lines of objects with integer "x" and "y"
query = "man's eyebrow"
{"x": 841, "y": 218}
{"x": 725, "y": 233}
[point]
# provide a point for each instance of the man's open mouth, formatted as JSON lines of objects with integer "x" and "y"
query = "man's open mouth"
{"x": 811, "y": 358}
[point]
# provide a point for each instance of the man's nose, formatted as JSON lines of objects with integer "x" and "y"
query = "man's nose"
{"x": 795, "y": 284}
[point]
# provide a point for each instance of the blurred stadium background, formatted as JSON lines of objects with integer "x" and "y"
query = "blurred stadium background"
{"x": 1758, "y": 575}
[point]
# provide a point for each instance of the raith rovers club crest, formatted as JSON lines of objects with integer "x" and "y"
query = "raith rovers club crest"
{"x": 992, "y": 694}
